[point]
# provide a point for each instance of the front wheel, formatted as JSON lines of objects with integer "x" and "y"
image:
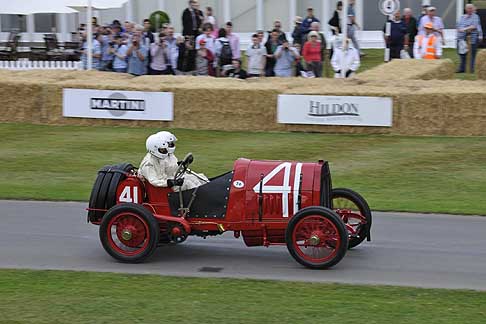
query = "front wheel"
{"x": 316, "y": 237}
{"x": 129, "y": 233}
{"x": 354, "y": 212}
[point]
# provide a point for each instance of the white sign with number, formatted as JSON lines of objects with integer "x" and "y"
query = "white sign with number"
{"x": 389, "y": 7}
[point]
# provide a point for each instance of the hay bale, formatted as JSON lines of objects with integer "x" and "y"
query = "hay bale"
{"x": 226, "y": 109}
{"x": 421, "y": 107}
{"x": 481, "y": 65}
{"x": 20, "y": 102}
{"x": 411, "y": 70}
{"x": 199, "y": 103}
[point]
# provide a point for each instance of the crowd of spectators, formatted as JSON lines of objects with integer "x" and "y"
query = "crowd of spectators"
{"x": 203, "y": 49}
{"x": 423, "y": 38}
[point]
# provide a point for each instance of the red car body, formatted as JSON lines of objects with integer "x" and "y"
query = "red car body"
{"x": 257, "y": 201}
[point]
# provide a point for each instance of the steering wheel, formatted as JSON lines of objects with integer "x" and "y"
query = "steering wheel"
{"x": 183, "y": 165}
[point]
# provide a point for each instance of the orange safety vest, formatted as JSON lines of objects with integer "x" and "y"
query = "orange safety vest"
{"x": 430, "y": 49}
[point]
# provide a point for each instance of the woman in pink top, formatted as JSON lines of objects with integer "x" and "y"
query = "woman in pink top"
{"x": 312, "y": 54}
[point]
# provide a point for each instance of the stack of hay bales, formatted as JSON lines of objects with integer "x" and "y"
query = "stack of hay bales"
{"x": 411, "y": 70}
{"x": 421, "y": 107}
{"x": 35, "y": 96}
{"x": 222, "y": 104}
{"x": 481, "y": 65}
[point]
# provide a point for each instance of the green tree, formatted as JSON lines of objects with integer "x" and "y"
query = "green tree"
{"x": 158, "y": 19}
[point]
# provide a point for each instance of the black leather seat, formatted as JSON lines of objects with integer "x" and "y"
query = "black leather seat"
{"x": 211, "y": 198}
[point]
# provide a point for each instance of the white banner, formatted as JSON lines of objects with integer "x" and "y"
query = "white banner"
{"x": 330, "y": 110}
{"x": 114, "y": 104}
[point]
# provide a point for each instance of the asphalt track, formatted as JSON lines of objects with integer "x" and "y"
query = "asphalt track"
{"x": 436, "y": 251}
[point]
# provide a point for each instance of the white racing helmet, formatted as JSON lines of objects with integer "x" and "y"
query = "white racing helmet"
{"x": 161, "y": 144}
{"x": 170, "y": 139}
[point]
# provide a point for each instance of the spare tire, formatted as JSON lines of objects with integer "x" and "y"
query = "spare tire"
{"x": 103, "y": 194}
{"x": 115, "y": 180}
{"x": 92, "y": 215}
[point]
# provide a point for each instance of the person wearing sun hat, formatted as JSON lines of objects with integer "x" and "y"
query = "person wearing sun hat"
{"x": 437, "y": 24}
{"x": 312, "y": 54}
{"x": 427, "y": 46}
{"x": 297, "y": 33}
{"x": 204, "y": 59}
{"x": 308, "y": 20}
{"x": 344, "y": 52}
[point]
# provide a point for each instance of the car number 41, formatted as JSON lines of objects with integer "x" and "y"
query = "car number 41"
{"x": 285, "y": 189}
{"x": 126, "y": 195}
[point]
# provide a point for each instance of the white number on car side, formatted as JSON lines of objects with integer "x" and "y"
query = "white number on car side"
{"x": 126, "y": 195}
{"x": 285, "y": 188}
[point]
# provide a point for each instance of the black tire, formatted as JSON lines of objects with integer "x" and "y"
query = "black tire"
{"x": 328, "y": 214}
{"x": 94, "y": 216}
{"x": 117, "y": 177}
{"x": 103, "y": 194}
{"x": 364, "y": 209}
{"x": 105, "y": 185}
{"x": 148, "y": 219}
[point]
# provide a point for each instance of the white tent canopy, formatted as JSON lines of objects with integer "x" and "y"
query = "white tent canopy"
{"x": 27, "y": 7}
{"x": 89, "y": 5}
{"x": 96, "y": 4}
{"x": 21, "y": 7}
{"x": 16, "y": 7}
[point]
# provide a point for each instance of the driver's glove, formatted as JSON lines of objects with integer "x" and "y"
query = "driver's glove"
{"x": 171, "y": 182}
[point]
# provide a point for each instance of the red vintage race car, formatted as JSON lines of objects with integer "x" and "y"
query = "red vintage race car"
{"x": 265, "y": 202}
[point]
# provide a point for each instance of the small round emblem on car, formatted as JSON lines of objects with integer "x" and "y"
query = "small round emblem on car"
{"x": 238, "y": 184}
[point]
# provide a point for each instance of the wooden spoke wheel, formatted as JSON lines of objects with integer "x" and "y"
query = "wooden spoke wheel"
{"x": 355, "y": 213}
{"x": 129, "y": 233}
{"x": 316, "y": 237}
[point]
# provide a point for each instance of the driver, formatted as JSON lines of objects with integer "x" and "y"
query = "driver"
{"x": 160, "y": 164}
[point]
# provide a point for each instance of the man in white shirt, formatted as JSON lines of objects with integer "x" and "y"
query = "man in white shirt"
{"x": 286, "y": 56}
{"x": 234, "y": 40}
{"x": 160, "y": 55}
{"x": 95, "y": 50}
{"x": 171, "y": 42}
{"x": 207, "y": 36}
{"x": 351, "y": 59}
{"x": 438, "y": 25}
{"x": 119, "y": 51}
{"x": 256, "y": 53}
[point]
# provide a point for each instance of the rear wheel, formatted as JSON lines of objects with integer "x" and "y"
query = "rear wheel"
{"x": 316, "y": 237}
{"x": 355, "y": 213}
{"x": 129, "y": 233}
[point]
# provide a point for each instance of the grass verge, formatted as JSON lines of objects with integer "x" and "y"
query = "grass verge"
{"x": 81, "y": 297}
{"x": 415, "y": 174}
